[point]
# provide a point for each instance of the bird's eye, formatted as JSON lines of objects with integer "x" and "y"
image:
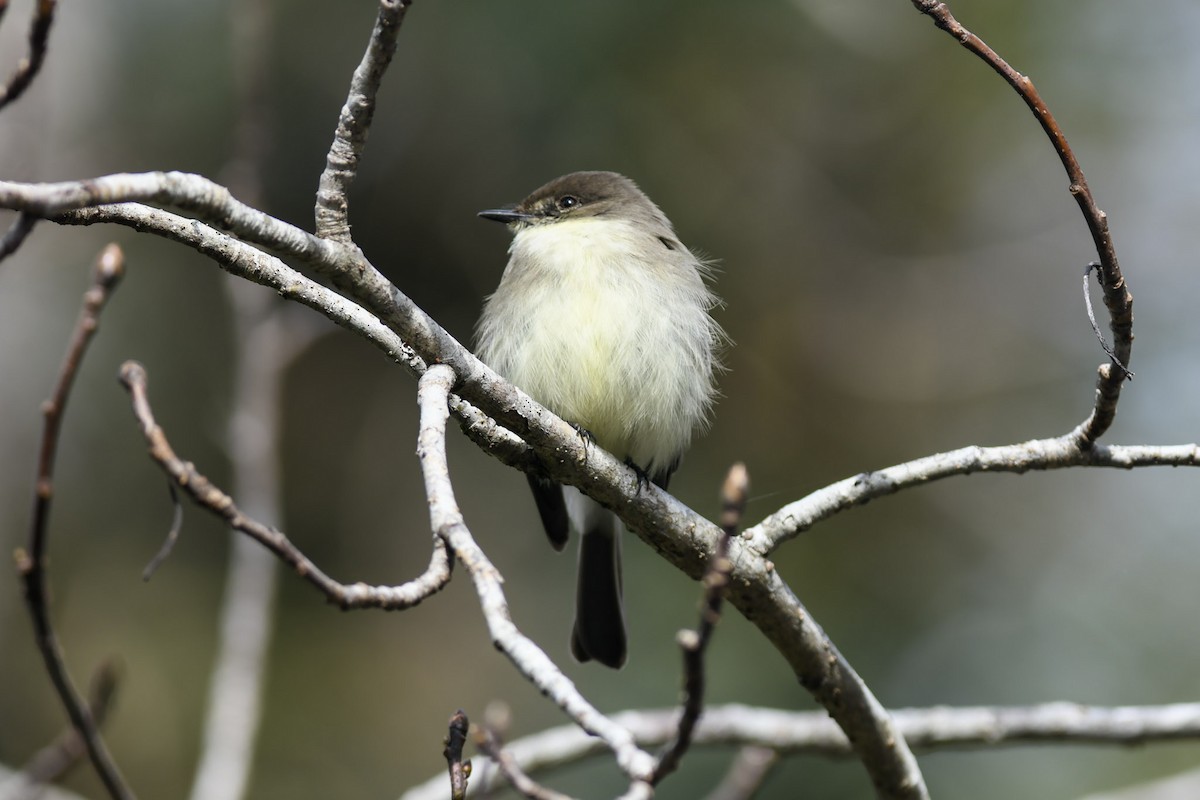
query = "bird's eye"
{"x": 567, "y": 201}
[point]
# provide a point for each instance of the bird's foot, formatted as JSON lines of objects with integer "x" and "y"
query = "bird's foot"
{"x": 643, "y": 477}
{"x": 585, "y": 436}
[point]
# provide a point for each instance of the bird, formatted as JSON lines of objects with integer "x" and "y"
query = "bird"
{"x": 603, "y": 316}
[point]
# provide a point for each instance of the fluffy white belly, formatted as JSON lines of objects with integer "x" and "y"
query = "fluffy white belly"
{"x": 609, "y": 331}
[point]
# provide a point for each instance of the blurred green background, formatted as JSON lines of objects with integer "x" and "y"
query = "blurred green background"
{"x": 901, "y": 264}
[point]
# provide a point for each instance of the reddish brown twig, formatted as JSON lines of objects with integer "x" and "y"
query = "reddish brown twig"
{"x": 209, "y": 496}
{"x": 28, "y": 66}
{"x": 460, "y": 770}
{"x": 31, "y": 563}
{"x": 1117, "y": 298}
{"x": 693, "y": 643}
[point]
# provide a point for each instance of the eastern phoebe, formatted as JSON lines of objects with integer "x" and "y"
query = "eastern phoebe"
{"x": 602, "y": 315}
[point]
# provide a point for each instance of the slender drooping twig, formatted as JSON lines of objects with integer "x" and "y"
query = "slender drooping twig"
{"x": 447, "y": 522}
{"x": 459, "y": 769}
{"x": 168, "y": 545}
{"x": 31, "y": 62}
{"x": 350, "y": 139}
{"x": 694, "y": 643}
{"x": 31, "y": 563}
{"x": 1117, "y": 298}
{"x": 814, "y": 733}
{"x": 210, "y": 497}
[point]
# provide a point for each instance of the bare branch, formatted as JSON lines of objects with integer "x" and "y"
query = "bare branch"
{"x": 694, "y": 643}
{"x": 1039, "y": 454}
{"x": 350, "y": 139}
{"x": 209, "y": 496}
{"x": 194, "y": 194}
{"x": 447, "y": 522}
{"x": 31, "y": 564}
{"x": 28, "y": 66}
{"x": 456, "y": 737}
{"x": 814, "y": 733}
{"x": 52, "y": 762}
{"x": 244, "y": 261}
{"x": 1117, "y": 298}
{"x": 490, "y": 745}
{"x": 638, "y": 790}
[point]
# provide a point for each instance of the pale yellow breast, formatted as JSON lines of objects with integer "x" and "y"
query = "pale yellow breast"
{"x": 606, "y": 331}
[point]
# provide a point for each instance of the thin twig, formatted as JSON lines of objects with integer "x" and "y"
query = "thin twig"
{"x": 447, "y": 521}
{"x": 350, "y": 138}
{"x": 746, "y": 774}
{"x": 1117, "y": 298}
{"x": 16, "y": 234}
{"x": 243, "y": 260}
{"x": 210, "y": 497}
{"x": 164, "y": 552}
{"x": 195, "y": 194}
{"x": 32, "y": 563}
{"x": 52, "y": 762}
{"x": 28, "y": 66}
{"x": 1039, "y": 454}
{"x": 1087, "y": 300}
{"x": 734, "y": 492}
{"x": 489, "y": 743}
{"x": 460, "y": 770}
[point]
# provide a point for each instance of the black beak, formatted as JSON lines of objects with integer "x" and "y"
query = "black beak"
{"x": 505, "y": 215}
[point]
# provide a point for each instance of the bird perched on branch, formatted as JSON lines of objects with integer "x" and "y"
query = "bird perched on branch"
{"x": 602, "y": 315}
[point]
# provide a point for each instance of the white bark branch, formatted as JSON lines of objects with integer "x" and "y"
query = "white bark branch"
{"x": 1039, "y": 454}
{"x": 350, "y": 139}
{"x": 526, "y": 656}
{"x": 813, "y": 732}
